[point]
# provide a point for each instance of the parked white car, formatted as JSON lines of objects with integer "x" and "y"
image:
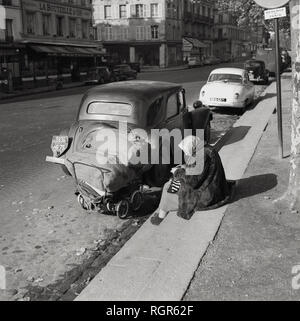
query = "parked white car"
{"x": 228, "y": 87}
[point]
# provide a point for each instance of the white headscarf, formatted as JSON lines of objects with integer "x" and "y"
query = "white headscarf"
{"x": 191, "y": 146}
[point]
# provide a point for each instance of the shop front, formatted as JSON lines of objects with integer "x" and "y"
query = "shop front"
{"x": 193, "y": 47}
{"x": 45, "y": 64}
{"x": 10, "y": 67}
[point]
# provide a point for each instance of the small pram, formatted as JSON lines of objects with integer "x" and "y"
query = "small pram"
{"x": 117, "y": 203}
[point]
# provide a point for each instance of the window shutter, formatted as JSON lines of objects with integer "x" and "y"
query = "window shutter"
{"x": 132, "y": 10}
{"x": 128, "y": 10}
{"x": 114, "y": 12}
{"x": 147, "y": 10}
{"x": 98, "y": 13}
{"x": 160, "y": 10}
{"x": 148, "y": 32}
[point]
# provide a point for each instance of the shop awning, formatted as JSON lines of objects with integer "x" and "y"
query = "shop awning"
{"x": 195, "y": 42}
{"x": 54, "y": 50}
{"x": 66, "y": 50}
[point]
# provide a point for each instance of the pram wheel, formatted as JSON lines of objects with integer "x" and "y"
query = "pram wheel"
{"x": 122, "y": 209}
{"x": 136, "y": 201}
{"x": 110, "y": 206}
{"x": 82, "y": 202}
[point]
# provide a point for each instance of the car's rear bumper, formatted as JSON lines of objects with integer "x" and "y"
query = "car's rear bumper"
{"x": 228, "y": 103}
{"x": 56, "y": 160}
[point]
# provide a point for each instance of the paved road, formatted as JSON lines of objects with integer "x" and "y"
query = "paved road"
{"x": 43, "y": 232}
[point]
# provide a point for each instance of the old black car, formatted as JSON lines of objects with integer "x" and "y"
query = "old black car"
{"x": 139, "y": 106}
{"x": 257, "y": 71}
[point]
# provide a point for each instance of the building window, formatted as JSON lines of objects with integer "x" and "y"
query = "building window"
{"x": 154, "y": 9}
{"x": 124, "y": 34}
{"x": 107, "y": 12}
{"x": 46, "y": 24}
{"x": 123, "y": 11}
{"x": 140, "y": 10}
{"x": 7, "y": 2}
{"x": 84, "y": 25}
{"x": 154, "y": 32}
{"x": 59, "y": 26}
{"x": 72, "y": 27}
{"x": 140, "y": 33}
{"x": 9, "y": 30}
{"x": 108, "y": 33}
{"x": 30, "y": 18}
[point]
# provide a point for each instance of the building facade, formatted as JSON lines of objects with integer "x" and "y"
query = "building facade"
{"x": 198, "y": 27}
{"x": 230, "y": 40}
{"x": 149, "y": 32}
{"x": 60, "y": 40}
{"x": 10, "y": 47}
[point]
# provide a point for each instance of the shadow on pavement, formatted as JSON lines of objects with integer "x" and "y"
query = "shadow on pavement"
{"x": 233, "y": 136}
{"x": 254, "y": 185}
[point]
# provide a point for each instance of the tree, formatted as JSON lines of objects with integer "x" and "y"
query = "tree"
{"x": 249, "y": 15}
{"x": 292, "y": 196}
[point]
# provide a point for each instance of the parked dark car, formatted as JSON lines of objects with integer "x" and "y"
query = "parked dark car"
{"x": 124, "y": 72}
{"x": 135, "y": 66}
{"x": 100, "y": 75}
{"x": 144, "y": 105}
{"x": 257, "y": 71}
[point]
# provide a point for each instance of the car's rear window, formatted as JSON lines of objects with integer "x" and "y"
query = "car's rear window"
{"x": 109, "y": 108}
{"x": 226, "y": 78}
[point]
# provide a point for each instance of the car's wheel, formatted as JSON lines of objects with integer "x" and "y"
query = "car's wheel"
{"x": 82, "y": 202}
{"x": 122, "y": 209}
{"x": 136, "y": 201}
{"x": 101, "y": 81}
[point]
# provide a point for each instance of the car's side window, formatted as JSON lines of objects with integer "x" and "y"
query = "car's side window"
{"x": 154, "y": 112}
{"x": 172, "y": 106}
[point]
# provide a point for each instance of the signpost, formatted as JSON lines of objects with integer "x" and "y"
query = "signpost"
{"x": 275, "y": 14}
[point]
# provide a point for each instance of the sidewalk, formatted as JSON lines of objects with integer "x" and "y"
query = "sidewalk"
{"x": 44, "y": 89}
{"x": 38, "y": 90}
{"x": 158, "y": 263}
{"x": 158, "y": 69}
{"x": 254, "y": 253}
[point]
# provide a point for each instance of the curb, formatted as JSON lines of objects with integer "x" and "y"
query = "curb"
{"x": 164, "y": 69}
{"x": 42, "y": 91}
{"x": 158, "y": 263}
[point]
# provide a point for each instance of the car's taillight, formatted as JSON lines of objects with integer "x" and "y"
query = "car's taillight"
{"x": 59, "y": 145}
{"x": 236, "y": 96}
{"x": 203, "y": 93}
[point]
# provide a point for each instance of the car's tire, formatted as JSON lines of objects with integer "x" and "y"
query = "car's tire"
{"x": 136, "y": 201}
{"x": 122, "y": 209}
{"x": 101, "y": 81}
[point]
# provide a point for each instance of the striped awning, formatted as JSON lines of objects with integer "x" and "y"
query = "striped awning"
{"x": 66, "y": 50}
{"x": 196, "y": 43}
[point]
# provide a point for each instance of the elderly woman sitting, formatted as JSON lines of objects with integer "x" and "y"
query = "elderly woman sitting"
{"x": 189, "y": 191}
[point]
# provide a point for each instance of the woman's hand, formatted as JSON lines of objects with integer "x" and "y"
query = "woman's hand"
{"x": 179, "y": 173}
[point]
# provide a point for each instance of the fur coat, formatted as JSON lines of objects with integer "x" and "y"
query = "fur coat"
{"x": 206, "y": 191}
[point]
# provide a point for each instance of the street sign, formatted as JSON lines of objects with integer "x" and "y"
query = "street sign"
{"x": 275, "y": 13}
{"x": 271, "y": 4}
